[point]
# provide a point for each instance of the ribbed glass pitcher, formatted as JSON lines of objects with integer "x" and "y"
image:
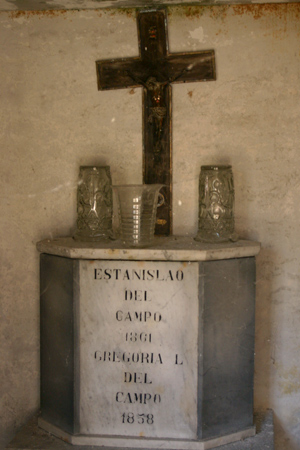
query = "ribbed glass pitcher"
{"x": 137, "y": 204}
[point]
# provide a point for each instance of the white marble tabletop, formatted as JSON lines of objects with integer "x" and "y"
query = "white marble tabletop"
{"x": 173, "y": 248}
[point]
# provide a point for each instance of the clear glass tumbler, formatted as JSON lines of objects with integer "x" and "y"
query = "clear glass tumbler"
{"x": 216, "y": 205}
{"x": 137, "y": 204}
{"x": 94, "y": 204}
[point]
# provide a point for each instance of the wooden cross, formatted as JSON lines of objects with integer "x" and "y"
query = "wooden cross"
{"x": 155, "y": 69}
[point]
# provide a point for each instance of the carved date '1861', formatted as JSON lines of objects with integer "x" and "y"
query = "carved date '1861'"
{"x": 138, "y": 337}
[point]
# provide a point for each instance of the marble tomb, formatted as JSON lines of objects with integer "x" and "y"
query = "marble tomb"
{"x": 147, "y": 348}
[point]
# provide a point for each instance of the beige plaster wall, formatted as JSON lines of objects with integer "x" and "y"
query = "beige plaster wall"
{"x": 53, "y": 119}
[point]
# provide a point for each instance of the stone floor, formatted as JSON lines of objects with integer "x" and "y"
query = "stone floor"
{"x": 31, "y": 437}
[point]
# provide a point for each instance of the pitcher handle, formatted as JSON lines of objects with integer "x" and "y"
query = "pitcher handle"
{"x": 161, "y": 200}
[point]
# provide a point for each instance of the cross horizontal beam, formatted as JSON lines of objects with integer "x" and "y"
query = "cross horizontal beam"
{"x": 177, "y": 68}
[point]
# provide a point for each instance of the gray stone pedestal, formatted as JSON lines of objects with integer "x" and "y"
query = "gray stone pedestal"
{"x": 147, "y": 348}
{"x": 31, "y": 437}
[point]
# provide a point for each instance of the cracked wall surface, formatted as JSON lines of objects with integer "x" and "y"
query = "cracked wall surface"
{"x": 53, "y": 120}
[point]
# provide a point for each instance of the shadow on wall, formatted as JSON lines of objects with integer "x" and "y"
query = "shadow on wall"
{"x": 264, "y": 348}
{"x": 282, "y": 441}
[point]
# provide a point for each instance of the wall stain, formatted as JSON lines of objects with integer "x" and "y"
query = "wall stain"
{"x": 192, "y": 12}
{"x": 290, "y": 382}
{"x": 218, "y": 12}
{"x": 129, "y": 12}
{"x": 258, "y": 11}
{"x": 49, "y": 13}
{"x": 280, "y": 10}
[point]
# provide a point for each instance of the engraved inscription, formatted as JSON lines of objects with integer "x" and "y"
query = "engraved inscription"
{"x": 140, "y": 347}
{"x": 141, "y": 275}
{"x": 137, "y": 316}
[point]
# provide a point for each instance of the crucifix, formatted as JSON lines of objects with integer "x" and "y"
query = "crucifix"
{"x": 155, "y": 70}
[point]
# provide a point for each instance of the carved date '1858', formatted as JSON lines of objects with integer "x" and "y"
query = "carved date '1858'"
{"x": 139, "y": 418}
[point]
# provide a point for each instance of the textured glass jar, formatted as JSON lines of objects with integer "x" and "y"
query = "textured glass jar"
{"x": 137, "y": 204}
{"x": 216, "y": 205}
{"x": 94, "y": 204}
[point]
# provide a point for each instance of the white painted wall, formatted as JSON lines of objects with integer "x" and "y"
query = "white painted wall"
{"x": 53, "y": 120}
